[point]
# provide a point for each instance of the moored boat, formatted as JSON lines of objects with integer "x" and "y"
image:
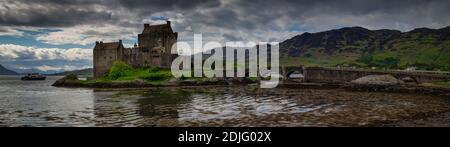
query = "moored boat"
{"x": 33, "y": 76}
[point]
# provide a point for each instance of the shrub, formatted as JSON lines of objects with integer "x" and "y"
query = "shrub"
{"x": 389, "y": 62}
{"x": 72, "y": 77}
{"x": 183, "y": 78}
{"x": 119, "y": 69}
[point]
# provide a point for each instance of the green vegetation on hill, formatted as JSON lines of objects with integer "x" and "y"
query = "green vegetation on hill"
{"x": 316, "y": 58}
{"x": 424, "y": 49}
{"x": 120, "y": 71}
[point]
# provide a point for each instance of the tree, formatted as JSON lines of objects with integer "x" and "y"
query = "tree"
{"x": 391, "y": 62}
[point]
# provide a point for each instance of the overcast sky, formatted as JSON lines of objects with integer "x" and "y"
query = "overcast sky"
{"x": 60, "y": 34}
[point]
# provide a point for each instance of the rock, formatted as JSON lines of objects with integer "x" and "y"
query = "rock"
{"x": 139, "y": 82}
{"x": 409, "y": 80}
{"x": 240, "y": 81}
{"x": 187, "y": 83}
{"x": 214, "y": 81}
{"x": 68, "y": 81}
{"x": 378, "y": 80}
{"x": 173, "y": 81}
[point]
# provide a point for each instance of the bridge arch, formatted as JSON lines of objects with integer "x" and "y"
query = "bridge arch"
{"x": 293, "y": 73}
{"x": 408, "y": 79}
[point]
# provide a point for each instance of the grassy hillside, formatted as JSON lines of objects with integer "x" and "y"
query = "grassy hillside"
{"x": 426, "y": 53}
{"x": 425, "y": 49}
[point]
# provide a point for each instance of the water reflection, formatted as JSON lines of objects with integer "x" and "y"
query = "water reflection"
{"x": 232, "y": 108}
{"x": 178, "y": 107}
{"x": 36, "y": 103}
{"x": 208, "y": 107}
{"x": 39, "y": 104}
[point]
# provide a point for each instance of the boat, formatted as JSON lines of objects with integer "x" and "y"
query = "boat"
{"x": 33, "y": 76}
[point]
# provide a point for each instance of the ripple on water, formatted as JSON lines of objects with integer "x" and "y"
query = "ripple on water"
{"x": 39, "y": 104}
{"x": 234, "y": 106}
{"x": 152, "y": 109}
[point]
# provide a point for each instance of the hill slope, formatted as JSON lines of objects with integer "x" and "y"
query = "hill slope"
{"x": 356, "y": 46}
{"x": 87, "y": 71}
{"x": 4, "y": 71}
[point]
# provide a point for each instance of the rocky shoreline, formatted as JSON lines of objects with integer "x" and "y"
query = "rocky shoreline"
{"x": 68, "y": 82}
{"x": 360, "y": 103}
{"x": 372, "y": 88}
{"x": 352, "y": 86}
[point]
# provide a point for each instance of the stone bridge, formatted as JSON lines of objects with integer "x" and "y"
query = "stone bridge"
{"x": 334, "y": 75}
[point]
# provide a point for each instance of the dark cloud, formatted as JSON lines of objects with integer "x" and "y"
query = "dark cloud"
{"x": 64, "y": 13}
{"x": 231, "y": 14}
{"x": 228, "y": 16}
{"x": 167, "y": 5}
{"x": 232, "y": 37}
{"x": 46, "y": 13}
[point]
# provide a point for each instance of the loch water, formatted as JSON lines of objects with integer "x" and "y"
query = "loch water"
{"x": 38, "y": 104}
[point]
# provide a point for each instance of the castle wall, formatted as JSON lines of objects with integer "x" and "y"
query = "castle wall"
{"x": 153, "y": 49}
{"x": 103, "y": 60}
{"x": 156, "y": 48}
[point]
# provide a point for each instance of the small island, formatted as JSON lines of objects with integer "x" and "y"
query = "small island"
{"x": 122, "y": 75}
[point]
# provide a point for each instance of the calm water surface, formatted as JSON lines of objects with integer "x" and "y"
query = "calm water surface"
{"x": 36, "y": 103}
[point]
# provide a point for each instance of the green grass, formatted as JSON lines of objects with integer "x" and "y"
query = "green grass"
{"x": 425, "y": 54}
{"x": 121, "y": 72}
{"x": 72, "y": 77}
{"x": 322, "y": 60}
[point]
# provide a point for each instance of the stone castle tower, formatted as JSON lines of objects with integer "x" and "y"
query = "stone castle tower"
{"x": 153, "y": 49}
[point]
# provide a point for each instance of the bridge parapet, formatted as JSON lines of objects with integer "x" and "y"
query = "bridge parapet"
{"x": 318, "y": 74}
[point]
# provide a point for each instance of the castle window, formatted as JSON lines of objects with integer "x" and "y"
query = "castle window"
{"x": 160, "y": 42}
{"x": 110, "y": 57}
{"x": 145, "y": 62}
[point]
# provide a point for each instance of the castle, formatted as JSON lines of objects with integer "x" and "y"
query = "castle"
{"x": 153, "y": 49}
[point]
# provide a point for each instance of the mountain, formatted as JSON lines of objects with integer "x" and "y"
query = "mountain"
{"x": 34, "y": 70}
{"x": 422, "y": 48}
{"x": 87, "y": 71}
{"x": 4, "y": 71}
